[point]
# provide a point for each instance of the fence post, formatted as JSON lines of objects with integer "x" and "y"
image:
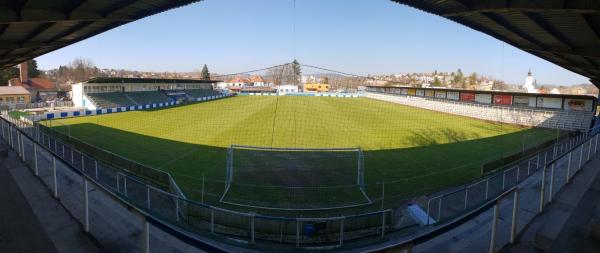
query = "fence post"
{"x": 35, "y": 160}
{"x": 23, "y": 147}
{"x": 466, "y": 197}
{"x": 342, "y": 231}
{"x": 17, "y": 146}
{"x": 569, "y": 167}
{"x": 252, "y": 227}
{"x": 542, "y": 189}
{"x": 125, "y": 184}
{"x": 177, "y": 209}
{"x": 518, "y": 172}
{"x": 440, "y": 209}
{"x": 580, "y": 158}
{"x": 528, "y": 166}
{"x": 86, "y": 211}
{"x": 96, "y": 168}
{"x": 551, "y": 182}
{"x": 118, "y": 182}
{"x": 383, "y": 224}
{"x": 545, "y": 157}
{"x": 54, "y": 180}
{"x": 82, "y": 163}
{"x": 72, "y": 156}
{"x": 148, "y": 196}
{"x": 428, "y": 207}
{"x": 494, "y": 226}
{"x": 146, "y": 236}
{"x": 487, "y": 187}
{"x": 589, "y": 150}
{"x": 513, "y": 227}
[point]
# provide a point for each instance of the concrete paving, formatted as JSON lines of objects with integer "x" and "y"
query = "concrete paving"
{"x": 113, "y": 226}
{"x": 33, "y": 221}
{"x": 567, "y": 223}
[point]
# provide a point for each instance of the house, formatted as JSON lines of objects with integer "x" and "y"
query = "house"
{"x": 287, "y": 88}
{"x": 237, "y": 82}
{"x": 257, "y": 90}
{"x": 316, "y": 87}
{"x": 11, "y": 95}
{"x": 258, "y": 81}
{"x": 41, "y": 89}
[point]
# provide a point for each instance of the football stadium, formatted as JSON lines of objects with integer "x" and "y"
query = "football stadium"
{"x": 301, "y": 158}
{"x": 301, "y": 152}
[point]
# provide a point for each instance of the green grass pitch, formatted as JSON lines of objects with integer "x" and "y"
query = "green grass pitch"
{"x": 413, "y": 150}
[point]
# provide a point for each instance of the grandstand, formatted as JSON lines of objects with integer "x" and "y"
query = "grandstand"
{"x": 147, "y": 97}
{"x": 109, "y": 100}
{"x": 569, "y": 112}
{"x": 199, "y": 93}
{"x": 116, "y": 92}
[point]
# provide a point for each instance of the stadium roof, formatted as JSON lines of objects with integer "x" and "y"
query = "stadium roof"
{"x": 29, "y": 28}
{"x": 565, "y": 32}
{"x": 145, "y": 80}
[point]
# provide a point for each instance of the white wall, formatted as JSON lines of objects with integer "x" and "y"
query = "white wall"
{"x": 77, "y": 93}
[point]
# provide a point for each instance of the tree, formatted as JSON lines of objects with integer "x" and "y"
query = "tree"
{"x": 32, "y": 68}
{"x": 499, "y": 85}
{"x": 437, "y": 82}
{"x": 204, "y": 74}
{"x": 459, "y": 78}
{"x": 276, "y": 74}
{"x": 297, "y": 71}
{"x": 473, "y": 79}
{"x": 7, "y": 74}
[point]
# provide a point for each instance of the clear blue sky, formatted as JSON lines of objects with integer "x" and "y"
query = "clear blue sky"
{"x": 355, "y": 36}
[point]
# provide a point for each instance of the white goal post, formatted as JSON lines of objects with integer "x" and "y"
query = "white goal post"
{"x": 282, "y": 158}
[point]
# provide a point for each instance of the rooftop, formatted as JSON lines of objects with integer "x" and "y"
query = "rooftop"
{"x": 36, "y": 83}
{"x": 13, "y": 90}
{"x": 145, "y": 80}
{"x": 566, "y": 33}
{"x": 32, "y": 28}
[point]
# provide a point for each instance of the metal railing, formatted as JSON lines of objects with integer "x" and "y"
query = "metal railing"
{"x": 464, "y": 198}
{"x": 32, "y": 145}
{"x": 561, "y": 168}
{"x": 53, "y": 159}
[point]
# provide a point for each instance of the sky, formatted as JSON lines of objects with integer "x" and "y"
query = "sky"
{"x": 353, "y": 36}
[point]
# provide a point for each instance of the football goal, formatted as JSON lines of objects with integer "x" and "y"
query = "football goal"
{"x": 294, "y": 178}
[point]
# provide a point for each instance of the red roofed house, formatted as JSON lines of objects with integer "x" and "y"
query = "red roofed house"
{"x": 40, "y": 88}
{"x": 258, "y": 81}
{"x": 236, "y": 84}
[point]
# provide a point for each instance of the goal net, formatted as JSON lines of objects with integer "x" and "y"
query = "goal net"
{"x": 294, "y": 178}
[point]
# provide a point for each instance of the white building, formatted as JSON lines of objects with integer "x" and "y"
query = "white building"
{"x": 287, "y": 88}
{"x": 117, "y": 88}
{"x": 530, "y": 84}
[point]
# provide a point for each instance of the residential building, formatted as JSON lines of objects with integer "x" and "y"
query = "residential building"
{"x": 316, "y": 87}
